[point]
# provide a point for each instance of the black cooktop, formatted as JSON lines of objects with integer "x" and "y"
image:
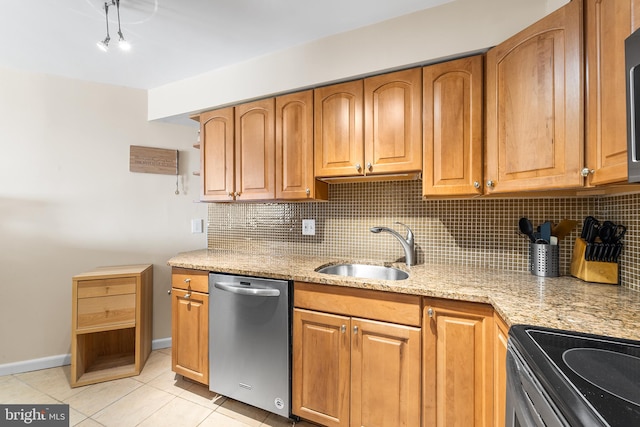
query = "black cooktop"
{"x": 594, "y": 380}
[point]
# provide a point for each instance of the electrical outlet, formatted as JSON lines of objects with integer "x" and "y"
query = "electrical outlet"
{"x": 196, "y": 225}
{"x": 309, "y": 227}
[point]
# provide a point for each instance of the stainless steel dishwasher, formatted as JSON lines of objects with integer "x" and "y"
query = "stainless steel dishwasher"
{"x": 250, "y": 340}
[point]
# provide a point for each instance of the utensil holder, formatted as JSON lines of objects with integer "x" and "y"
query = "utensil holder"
{"x": 592, "y": 271}
{"x": 544, "y": 259}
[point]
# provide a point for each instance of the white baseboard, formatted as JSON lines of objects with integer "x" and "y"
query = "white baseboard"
{"x": 59, "y": 360}
{"x": 161, "y": 343}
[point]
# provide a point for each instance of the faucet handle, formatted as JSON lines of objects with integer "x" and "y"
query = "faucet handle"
{"x": 409, "y": 232}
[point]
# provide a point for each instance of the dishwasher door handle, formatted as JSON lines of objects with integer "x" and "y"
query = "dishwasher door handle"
{"x": 243, "y": 290}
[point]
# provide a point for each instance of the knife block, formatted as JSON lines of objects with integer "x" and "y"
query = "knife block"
{"x": 592, "y": 271}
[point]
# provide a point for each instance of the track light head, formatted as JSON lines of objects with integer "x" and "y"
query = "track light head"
{"x": 122, "y": 43}
{"x": 104, "y": 44}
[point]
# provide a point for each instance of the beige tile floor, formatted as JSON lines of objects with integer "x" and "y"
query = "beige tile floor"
{"x": 155, "y": 398}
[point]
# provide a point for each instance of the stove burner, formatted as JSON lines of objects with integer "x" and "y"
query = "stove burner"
{"x": 615, "y": 373}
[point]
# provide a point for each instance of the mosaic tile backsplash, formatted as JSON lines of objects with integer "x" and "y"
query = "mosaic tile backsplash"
{"x": 471, "y": 233}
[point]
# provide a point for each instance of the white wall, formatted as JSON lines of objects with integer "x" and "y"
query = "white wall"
{"x": 68, "y": 203}
{"x": 450, "y": 29}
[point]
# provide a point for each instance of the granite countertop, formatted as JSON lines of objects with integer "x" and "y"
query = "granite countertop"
{"x": 520, "y": 298}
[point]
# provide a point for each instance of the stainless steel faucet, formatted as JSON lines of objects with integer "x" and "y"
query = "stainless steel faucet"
{"x": 408, "y": 244}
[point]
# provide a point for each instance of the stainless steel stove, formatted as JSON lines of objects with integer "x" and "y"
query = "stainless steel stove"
{"x": 567, "y": 378}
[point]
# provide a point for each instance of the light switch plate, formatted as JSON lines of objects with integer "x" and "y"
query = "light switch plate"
{"x": 309, "y": 227}
{"x": 196, "y": 225}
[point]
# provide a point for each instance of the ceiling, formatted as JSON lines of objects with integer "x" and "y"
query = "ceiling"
{"x": 172, "y": 39}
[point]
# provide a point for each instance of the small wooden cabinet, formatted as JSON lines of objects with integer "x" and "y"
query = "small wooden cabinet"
{"x": 190, "y": 324}
{"x": 534, "y": 106}
{"x": 111, "y": 323}
{"x": 453, "y": 127}
{"x": 457, "y": 370}
{"x": 351, "y": 370}
{"x": 370, "y": 126}
{"x": 607, "y": 24}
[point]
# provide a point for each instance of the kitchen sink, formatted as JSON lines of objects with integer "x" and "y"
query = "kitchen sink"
{"x": 365, "y": 271}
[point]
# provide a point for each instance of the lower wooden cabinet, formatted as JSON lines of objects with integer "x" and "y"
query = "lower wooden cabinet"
{"x": 457, "y": 364}
{"x": 350, "y": 371}
{"x": 500, "y": 337}
{"x": 190, "y": 324}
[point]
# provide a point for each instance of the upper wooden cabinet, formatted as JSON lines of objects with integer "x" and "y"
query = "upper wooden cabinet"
{"x": 534, "y": 102}
{"x": 217, "y": 158}
{"x": 452, "y": 119}
{"x": 294, "y": 149}
{"x": 339, "y": 143}
{"x": 261, "y": 150}
{"x": 607, "y": 24}
{"x": 370, "y": 126}
{"x": 392, "y": 122}
{"x": 255, "y": 150}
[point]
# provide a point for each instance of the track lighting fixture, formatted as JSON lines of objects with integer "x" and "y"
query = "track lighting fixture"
{"x": 104, "y": 44}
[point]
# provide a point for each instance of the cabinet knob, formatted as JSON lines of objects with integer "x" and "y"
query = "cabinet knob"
{"x": 187, "y": 280}
{"x": 585, "y": 172}
{"x": 430, "y": 312}
{"x": 187, "y": 295}
{"x": 231, "y": 194}
{"x": 355, "y": 330}
{"x": 237, "y": 194}
{"x": 476, "y": 184}
{"x": 308, "y": 191}
{"x": 343, "y": 328}
{"x": 491, "y": 184}
{"x": 369, "y": 166}
{"x": 169, "y": 292}
{"x": 358, "y": 167}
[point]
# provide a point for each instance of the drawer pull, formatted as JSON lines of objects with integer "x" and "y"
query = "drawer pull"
{"x": 187, "y": 280}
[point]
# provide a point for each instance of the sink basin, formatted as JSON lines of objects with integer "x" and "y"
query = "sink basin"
{"x": 365, "y": 271}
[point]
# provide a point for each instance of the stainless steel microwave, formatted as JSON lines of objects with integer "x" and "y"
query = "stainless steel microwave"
{"x": 632, "y": 60}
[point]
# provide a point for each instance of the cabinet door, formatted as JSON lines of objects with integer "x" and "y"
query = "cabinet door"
{"x": 458, "y": 360}
{"x": 500, "y": 337}
{"x": 608, "y": 24}
{"x": 453, "y": 116}
{"x": 392, "y": 122}
{"x": 255, "y": 150}
{"x": 321, "y": 377}
{"x": 294, "y": 146}
{"x": 217, "y": 155}
{"x": 190, "y": 334}
{"x": 385, "y": 374}
{"x": 338, "y": 130}
{"x": 534, "y": 99}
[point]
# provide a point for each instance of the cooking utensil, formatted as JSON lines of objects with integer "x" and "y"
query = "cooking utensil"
{"x": 563, "y": 228}
{"x": 545, "y": 231}
{"x": 526, "y": 228}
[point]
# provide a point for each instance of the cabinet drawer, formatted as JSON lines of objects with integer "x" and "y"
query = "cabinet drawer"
{"x": 367, "y": 304}
{"x": 105, "y": 311}
{"x": 106, "y": 287}
{"x": 198, "y": 280}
